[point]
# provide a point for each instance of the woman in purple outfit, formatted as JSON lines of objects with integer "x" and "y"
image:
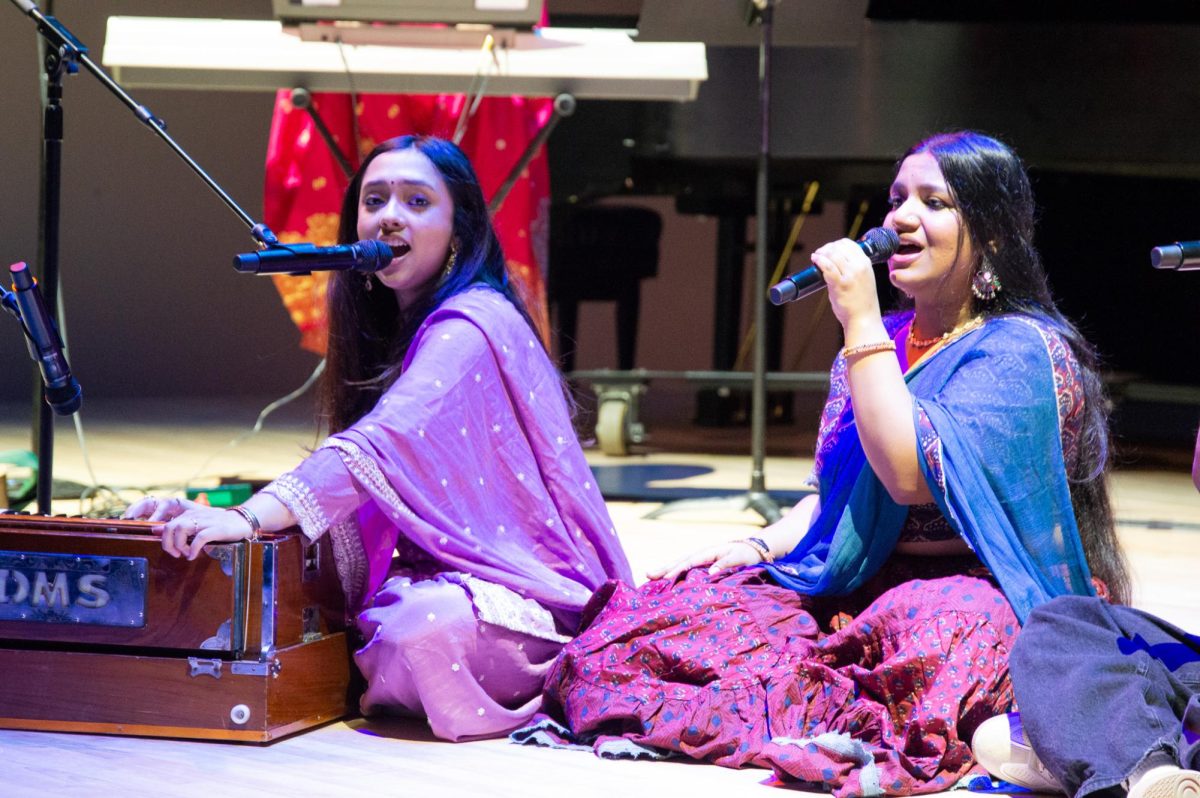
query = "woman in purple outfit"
{"x": 961, "y": 461}
{"x": 466, "y": 525}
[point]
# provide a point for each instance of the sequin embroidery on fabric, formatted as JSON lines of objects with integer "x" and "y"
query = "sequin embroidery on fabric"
{"x": 349, "y": 558}
{"x": 296, "y": 496}
{"x": 368, "y": 471}
{"x": 497, "y": 605}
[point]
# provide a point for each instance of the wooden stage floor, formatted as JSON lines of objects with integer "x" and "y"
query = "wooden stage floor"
{"x": 143, "y": 444}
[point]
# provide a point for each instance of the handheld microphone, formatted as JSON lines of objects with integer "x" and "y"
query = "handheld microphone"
{"x": 63, "y": 393}
{"x": 878, "y": 243}
{"x": 364, "y": 256}
{"x": 1182, "y": 255}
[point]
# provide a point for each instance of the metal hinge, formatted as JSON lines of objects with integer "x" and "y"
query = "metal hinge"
{"x": 204, "y": 667}
{"x": 244, "y": 668}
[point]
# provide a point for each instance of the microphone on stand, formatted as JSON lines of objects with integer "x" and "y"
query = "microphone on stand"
{"x": 878, "y": 243}
{"x": 1183, "y": 256}
{"x": 63, "y": 393}
{"x": 364, "y": 256}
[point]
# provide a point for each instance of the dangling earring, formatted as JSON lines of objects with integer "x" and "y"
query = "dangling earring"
{"x": 985, "y": 285}
{"x": 369, "y": 283}
{"x": 450, "y": 261}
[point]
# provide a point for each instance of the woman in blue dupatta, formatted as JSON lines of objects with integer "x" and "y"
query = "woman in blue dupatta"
{"x": 961, "y": 467}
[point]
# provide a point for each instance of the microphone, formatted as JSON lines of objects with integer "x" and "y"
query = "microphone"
{"x": 364, "y": 256}
{"x": 1182, "y": 255}
{"x": 63, "y": 393}
{"x": 878, "y": 243}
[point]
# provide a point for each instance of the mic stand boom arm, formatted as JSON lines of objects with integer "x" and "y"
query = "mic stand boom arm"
{"x": 71, "y": 51}
{"x": 63, "y": 55}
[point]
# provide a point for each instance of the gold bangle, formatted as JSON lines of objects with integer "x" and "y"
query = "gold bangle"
{"x": 251, "y": 519}
{"x": 868, "y": 349}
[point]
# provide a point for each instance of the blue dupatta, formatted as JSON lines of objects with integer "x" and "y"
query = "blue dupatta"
{"x": 990, "y": 396}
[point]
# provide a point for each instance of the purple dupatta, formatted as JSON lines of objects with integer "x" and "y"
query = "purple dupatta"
{"x": 471, "y": 455}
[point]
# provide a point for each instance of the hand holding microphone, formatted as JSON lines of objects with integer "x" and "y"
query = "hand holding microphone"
{"x": 878, "y": 244}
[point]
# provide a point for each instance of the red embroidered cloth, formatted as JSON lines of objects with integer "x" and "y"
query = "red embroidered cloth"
{"x": 304, "y": 183}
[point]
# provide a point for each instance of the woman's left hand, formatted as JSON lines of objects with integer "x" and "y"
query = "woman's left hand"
{"x": 850, "y": 279}
{"x": 186, "y": 527}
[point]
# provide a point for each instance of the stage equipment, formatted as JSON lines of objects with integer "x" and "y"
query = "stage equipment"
{"x": 63, "y": 56}
{"x": 756, "y": 498}
{"x": 364, "y": 256}
{"x": 302, "y": 99}
{"x": 459, "y": 23}
{"x": 1182, "y": 256}
{"x": 257, "y": 55}
{"x": 513, "y": 13}
{"x": 62, "y": 391}
{"x": 101, "y": 631}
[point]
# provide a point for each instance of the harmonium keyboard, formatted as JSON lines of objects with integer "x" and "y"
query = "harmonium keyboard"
{"x": 101, "y": 631}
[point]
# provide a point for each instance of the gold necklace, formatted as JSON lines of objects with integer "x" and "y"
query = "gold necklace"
{"x": 925, "y": 343}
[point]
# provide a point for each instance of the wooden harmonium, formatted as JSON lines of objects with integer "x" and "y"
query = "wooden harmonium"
{"x": 101, "y": 631}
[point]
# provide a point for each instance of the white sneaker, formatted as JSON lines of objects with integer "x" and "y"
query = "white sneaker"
{"x": 1167, "y": 782}
{"x": 1000, "y": 745}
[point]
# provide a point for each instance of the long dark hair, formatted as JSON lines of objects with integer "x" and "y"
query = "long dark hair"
{"x": 368, "y": 333}
{"x": 991, "y": 189}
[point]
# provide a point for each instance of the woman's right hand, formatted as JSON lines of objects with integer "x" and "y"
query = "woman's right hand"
{"x": 850, "y": 279}
{"x": 152, "y": 508}
{"x": 720, "y": 557}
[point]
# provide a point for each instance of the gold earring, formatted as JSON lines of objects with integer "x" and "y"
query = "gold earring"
{"x": 451, "y": 261}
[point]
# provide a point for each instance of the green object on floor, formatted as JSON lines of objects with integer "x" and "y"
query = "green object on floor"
{"x": 21, "y": 490}
{"x": 230, "y": 495}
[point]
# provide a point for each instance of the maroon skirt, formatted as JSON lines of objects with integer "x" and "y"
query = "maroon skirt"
{"x": 872, "y": 693}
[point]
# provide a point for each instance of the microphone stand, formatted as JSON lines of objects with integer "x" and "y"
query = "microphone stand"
{"x": 62, "y": 54}
{"x": 756, "y": 498}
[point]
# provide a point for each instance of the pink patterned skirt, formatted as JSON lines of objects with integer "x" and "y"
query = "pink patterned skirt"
{"x": 860, "y": 696}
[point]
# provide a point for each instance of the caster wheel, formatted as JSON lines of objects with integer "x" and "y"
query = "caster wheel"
{"x": 612, "y": 428}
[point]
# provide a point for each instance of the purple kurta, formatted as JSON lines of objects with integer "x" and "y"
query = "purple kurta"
{"x": 470, "y": 468}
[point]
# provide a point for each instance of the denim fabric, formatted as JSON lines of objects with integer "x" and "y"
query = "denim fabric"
{"x": 1103, "y": 688}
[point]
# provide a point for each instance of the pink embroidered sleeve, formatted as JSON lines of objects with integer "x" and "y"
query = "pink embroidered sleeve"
{"x": 320, "y": 492}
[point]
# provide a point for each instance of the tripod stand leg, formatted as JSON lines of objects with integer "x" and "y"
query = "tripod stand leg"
{"x": 761, "y": 503}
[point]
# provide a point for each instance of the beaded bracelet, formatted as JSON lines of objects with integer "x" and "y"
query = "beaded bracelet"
{"x": 760, "y": 546}
{"x": 868, "y": 349}
{"x": 251, "y": 519}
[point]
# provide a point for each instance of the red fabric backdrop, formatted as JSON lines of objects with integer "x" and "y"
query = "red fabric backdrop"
{"x": 304, "y": 184}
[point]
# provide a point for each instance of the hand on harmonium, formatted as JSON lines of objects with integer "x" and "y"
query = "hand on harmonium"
{"x": 179, "y": 521}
